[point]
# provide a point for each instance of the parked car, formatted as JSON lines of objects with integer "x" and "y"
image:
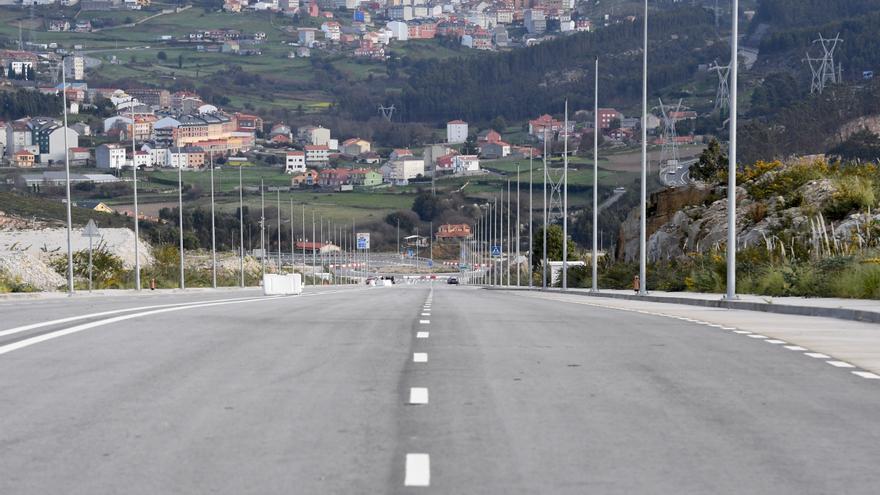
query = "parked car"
{"x": 452, "y": 281}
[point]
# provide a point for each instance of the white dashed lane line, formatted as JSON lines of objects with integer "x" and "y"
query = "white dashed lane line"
{"x": 867, "y": 374}
{"x": 795, "y": 348}
{"x": 840, "y": 364}
{"x": 775, "y": 341}
{"x": 424, "y": 322}
{"x": 426, "y": 314}
{"x": 418, "y": 395}
{"x": 817, "y": 355}
{"x": 420, "y": 357}
{"x": 422, "y": 335}
{"x": 418, "y": 470}
{"x": 757, "y": 336}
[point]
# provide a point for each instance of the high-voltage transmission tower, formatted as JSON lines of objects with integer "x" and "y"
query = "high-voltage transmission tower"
{"x": 669, "y": 158}
{"x": 387, "y": 112}
{"x": 722, "y": 95}
{"x": 824, "y": 70}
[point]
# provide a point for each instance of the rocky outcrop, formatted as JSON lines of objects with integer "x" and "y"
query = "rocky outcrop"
{"x": 29, "y": 269}
{"x": 683, "y": 223}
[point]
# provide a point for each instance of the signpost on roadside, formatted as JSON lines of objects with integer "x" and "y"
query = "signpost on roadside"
{"x": 91, "y": 231}
{"x": 363, "y": 244}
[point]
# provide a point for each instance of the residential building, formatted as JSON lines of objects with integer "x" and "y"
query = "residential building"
{"x": 355, "y": 146}
{"x": 142, "y": 159}
{"x": 547, "y": 123}
{"x": 185, "y": 157}
{"x": 18, "y": 136}
{"x": 333, "y": 177}
{"x": 306, "y": 36}
{"x": 295, "y": 162}
{"x": 464, "y": 164}
{"x": 607, "y": 116}
{"x": 314, "y": 135}
{"x": 490, "y": 136}
{"x": 79, "y": 157}
{"x": 454, "y": 231}
{"x": 23, "y": 159}
{"x": 400, "y": 153}
{"x": 332, "y": 30}
{"x": 365, "y": 177}
{"x": 48, "y": 136}
{"x": 535, "y": 21}
{"x": 401, "y": 170}
{"x": 317, "y": 154}
{"x": 456, "y": 131}
{"x": 496, "y": 149}
{"x": 307, "y": 179}
{"x": 153, "y": 97}
{"x": 110, "y": 156}
{"x": 76, "y": 68}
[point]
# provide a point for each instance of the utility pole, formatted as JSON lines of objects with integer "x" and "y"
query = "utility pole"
{"x": 544, "y": 266}
{"x": 67, "y": 186}
{"x": 292, "y": 241}
{"x": 180, "y": 218}
{"x": 565, "y": 205}
{"x": 304, "y": 240}
{"x": 213, "y": 228}
{"x": 134, "y": 180}
{"x": 595, "y": 257}
{"x": 241, "y": 226}
{"x": 314, "y": 242}
{"x": 643, "y": 233}
{"x": 731, "y": 165}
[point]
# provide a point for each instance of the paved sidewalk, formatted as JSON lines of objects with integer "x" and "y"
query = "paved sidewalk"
{"x": 828, "y": 339}
{"x": 865, "y": 310}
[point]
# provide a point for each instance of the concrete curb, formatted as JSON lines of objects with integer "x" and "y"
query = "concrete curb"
{"x": 838, "y": 313}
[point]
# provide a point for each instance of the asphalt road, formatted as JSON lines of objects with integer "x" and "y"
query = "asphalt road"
{"x": 516, "y": 394}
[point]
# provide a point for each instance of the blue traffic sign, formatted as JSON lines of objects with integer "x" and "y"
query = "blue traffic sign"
{"x": 496, "y": 250}
{"x": 430, "y": 263}
{"x": 410, "y": 253}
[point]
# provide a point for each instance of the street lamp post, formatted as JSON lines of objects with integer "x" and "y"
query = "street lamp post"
{"x": 213, "y": 230}
{"x": 595, "y": 257}
{"x": 731, "y": 166}
{"x": 180, "y": 220}
{"x": 67, "y": 185}
{"x": 531, "y": 221}
{"x": 565, "y": 205}
{"x": 643, "y": 226}
{"x": 240, "y": 226}
{"x": 134, "y": 179}
{"x": 262, "y": 229}
{"x": 516, "y": 228}
{"x": 544, "y": 251}
{"x": 509, "y": 237}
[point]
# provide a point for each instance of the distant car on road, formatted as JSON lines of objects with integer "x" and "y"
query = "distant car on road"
{"x": 452, "y": 281}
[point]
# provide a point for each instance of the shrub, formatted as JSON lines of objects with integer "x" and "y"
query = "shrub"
{"x": 854, "y": 193}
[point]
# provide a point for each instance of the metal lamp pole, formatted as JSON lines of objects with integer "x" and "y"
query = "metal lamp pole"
{"x": 531, "y": 220}
{"x": 262, "y": 228}
{"x": 213, "y": 230}
{"x": 241, "y": 226}
{"x": 278, "y": 211}
{"x": 134, "y": 179}
{"x": 565, "y": 205}
{"x": 731, "y": 166}
{"x": 516, "y": 228}
{"x": 67, "y": 185}
{"x": 180, "y": 219}
{"x": 595, "y": 257}
{"x": 509, "y": 238}
{"x": 544, "y": 265}
{"x": 643, "y": 229}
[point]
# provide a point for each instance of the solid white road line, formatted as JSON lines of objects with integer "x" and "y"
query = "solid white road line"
{"x": 840, "y": 364}
{"x": 795, "y": 348}
{"x": 418, "y": 395}
{"x": 420, "y": 357}
{"x": 422, "y": 335}
{"x": 85, "y": 326}
{"x": 867, "y": 374}
{"x": 418, "y": 470}
{"x": 59, "y": 321}
{"x": 817, "y": 355}
{"x": 424, "y": 322}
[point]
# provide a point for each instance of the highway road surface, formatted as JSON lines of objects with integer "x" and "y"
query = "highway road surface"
{"x": 415, "y": 389}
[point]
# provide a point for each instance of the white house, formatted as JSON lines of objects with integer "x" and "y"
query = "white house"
{"x": 463, "y": 164}
{"x": 317, "y": 154}
{"x": 143, "y": 159}
{"x": 456, "y": 131}
{"x": 400, "y": 171}
{"x": 158, "y": 156}
{"x": 399, "y": 30}
{"x": 110, "y": 156}
{"x": 295, "y": 163}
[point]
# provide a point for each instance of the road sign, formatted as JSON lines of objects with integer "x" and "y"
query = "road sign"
{"x": 496, "y": 250}
{"x": 410, "y": 253}
{"x": 363, "y": 240}
{"x": 91, "y": 230}
{"x": 430, "y": 263}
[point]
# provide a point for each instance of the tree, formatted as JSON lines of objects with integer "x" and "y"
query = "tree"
{"x": 427, "y": 206}
{"x": 499, "y": 124}
{"x": 180, "y": 61}
{"x": 554, "y": 245}
{"x": 712, "y": 163}
{"x": 470, "y": 146}
{"x": 862, "y": 145}
{"x": 162, "y": 56}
